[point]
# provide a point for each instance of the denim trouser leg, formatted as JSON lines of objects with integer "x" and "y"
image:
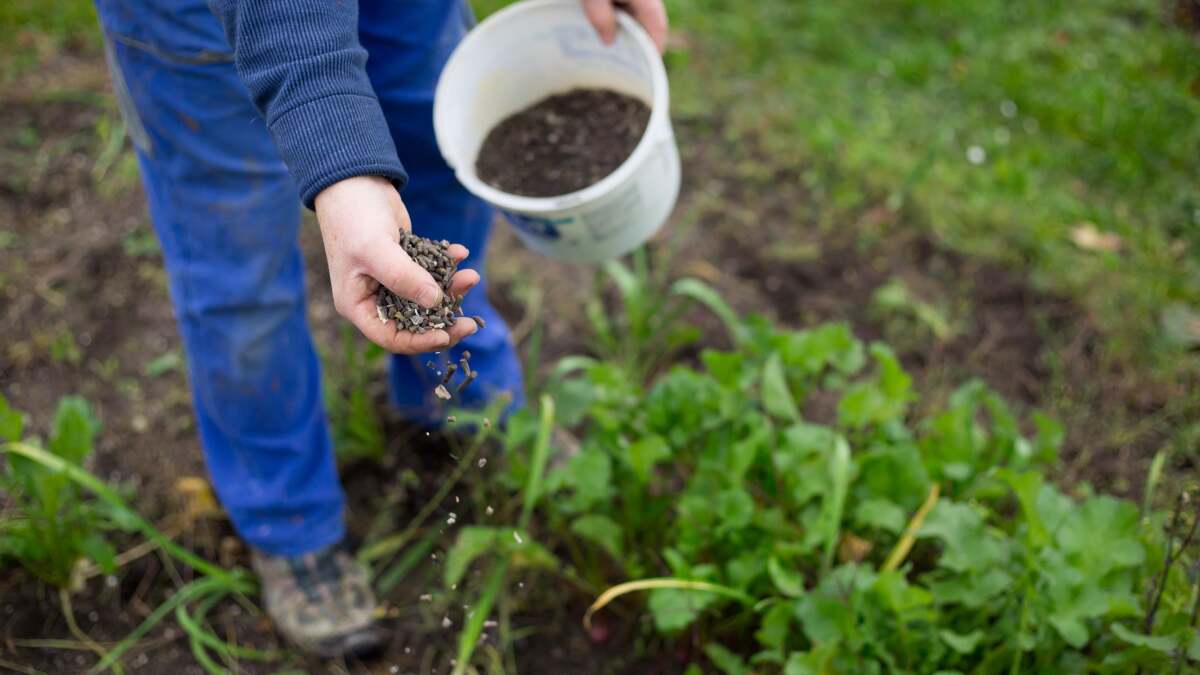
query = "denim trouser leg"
{"x": 227, "y": 214}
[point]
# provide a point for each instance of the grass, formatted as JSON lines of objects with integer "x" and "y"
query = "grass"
{"x": 31, "y": 31}
{"x": 1000, "y": 126}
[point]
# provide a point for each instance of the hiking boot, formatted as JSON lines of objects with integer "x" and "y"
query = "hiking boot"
{"x": 321, "y": 601}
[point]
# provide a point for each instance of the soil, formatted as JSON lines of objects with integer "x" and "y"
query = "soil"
{"x": 562, "y": 144}
{"x": 1187, "y": 14}
{"x": 84, "y": 309}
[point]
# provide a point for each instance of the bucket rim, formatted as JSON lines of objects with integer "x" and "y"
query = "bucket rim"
{"x": 659, "y": 115}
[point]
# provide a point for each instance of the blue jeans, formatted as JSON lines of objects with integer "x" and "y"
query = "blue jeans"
{"x": 227, "y": 215}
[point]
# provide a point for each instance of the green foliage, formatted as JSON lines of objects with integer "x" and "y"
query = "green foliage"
{"x": 642, "y": 330}
{"x": 349, "y": 397}
{"x": 51, "y": 527}
{"x": 30, "y": 29}
{"x": 904, "y": 315}
{"x": 716, "y": 474}
{"x": 512, "y": 548}
{"x": 49, "y": 482}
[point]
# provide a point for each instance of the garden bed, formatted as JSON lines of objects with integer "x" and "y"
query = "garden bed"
{"x": 746, "y": 228}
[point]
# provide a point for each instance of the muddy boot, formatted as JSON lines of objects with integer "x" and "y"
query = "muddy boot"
{"x": 322, "y": 601}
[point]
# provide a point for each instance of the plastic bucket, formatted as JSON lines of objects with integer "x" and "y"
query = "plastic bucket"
{"x": 535, "y": 49}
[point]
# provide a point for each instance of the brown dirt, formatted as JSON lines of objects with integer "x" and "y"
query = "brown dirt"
{"x": 84, "y": 309}
{"x": 563, "y": 143}
{"x": 1187, "y": 14}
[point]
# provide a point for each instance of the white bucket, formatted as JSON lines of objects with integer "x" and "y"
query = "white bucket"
{"x": 532, "y": 50}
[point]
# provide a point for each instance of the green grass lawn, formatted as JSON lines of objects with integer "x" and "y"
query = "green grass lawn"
{"x": 1003, "y": 126}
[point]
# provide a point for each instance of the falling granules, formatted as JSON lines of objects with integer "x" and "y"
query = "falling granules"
{"x": 464, "y": 364}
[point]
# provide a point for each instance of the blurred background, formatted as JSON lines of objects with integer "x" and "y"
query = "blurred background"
{"x": 1002, "y": 189}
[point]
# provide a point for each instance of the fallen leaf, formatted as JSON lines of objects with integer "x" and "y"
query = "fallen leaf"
{"x": 199, "y": 501}
{"x": 1088, "y": 238}
{"x": 853, "y": 548}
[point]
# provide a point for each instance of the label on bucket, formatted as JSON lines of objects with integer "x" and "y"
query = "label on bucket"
{"x": 543, "y": 228}
{"x": 595, "y": 225}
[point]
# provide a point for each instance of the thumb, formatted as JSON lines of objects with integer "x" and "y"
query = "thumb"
{"x": 603, "y": 17}
{"x": 392, "y": 267}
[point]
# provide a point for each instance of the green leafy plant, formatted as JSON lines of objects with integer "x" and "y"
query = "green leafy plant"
{"x": 50, "y": 528}
{"x": 357, "y": 427}
{"x": 851, "y": 538}
{"x": 642, "y": 329}
{"x": 511, "y": 546}
{"x": 906, "y": 316}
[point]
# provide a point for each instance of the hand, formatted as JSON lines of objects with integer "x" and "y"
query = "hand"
{"x": 360, "y": 222}
{"x": 650, "y": 13}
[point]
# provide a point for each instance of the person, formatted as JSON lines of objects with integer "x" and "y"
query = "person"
{"x": 237, "y": 108}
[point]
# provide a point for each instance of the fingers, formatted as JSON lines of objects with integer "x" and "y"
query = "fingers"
{"x": 603, "y": 17}
{"x": 463, "y": 281}
{"x": 462, "y": 328}
{"x": 653, "y": 17}
{"x": 651, "y": 14}
{"x": 364, "y": 317}
{"x": 458, "y": 252}
{"x": 391, "y": 266}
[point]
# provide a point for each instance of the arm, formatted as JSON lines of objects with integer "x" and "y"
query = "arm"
{"x": 304, "y": 68}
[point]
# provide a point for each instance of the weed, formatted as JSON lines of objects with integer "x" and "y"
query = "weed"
{"x": 909, "y": 319}
{"x": 64, "y": 349}
{"x": 357, "y": 427}
{"x": 140, "y": 243}
{"x": 642, "y": 330}
{"x": 168, "y": 362}
{"x": 51, "y": 529}
{"x": 512, "y": 547}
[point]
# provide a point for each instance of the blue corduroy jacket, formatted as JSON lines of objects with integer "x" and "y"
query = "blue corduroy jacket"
{"x": 305, "y": 69}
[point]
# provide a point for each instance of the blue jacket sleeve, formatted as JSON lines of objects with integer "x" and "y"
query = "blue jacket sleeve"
{"x": 305, "y": 69}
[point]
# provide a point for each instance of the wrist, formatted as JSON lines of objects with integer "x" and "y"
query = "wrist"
{"x": 354, "y": 191}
